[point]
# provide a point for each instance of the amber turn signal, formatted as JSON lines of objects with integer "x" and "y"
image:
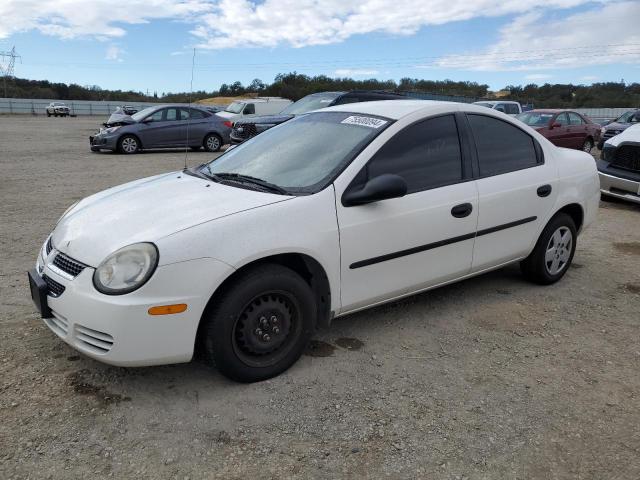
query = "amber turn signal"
{"x": 168, "y": 309}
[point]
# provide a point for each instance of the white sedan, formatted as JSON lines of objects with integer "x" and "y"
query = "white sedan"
{"x": 332, "y": 212}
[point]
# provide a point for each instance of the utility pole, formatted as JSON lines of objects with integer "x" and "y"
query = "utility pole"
{"x": 7, "y": 69}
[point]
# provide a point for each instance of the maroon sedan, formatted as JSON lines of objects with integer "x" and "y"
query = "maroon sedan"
{"x": 563, "y": 128}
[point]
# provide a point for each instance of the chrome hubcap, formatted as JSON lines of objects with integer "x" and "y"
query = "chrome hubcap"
{"x": 129, "y": 145}
{"x": 587, "y": 146}
{"x": 558, "y": 251}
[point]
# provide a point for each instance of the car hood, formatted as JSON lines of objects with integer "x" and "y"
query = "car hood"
{"x": 147, "y": 210}
{"x": 630, "y": 134}
{"x": 617, "y": 126}
{"x": 277, "y": 119}
{"x": 119, "y": 119}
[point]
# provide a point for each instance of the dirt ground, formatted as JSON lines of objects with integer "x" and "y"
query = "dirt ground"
{"x": 491, "y": 378}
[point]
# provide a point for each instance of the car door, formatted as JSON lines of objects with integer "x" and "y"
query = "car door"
{"x": 401, "y": 245}
{"x": 517, "y": 188}
{"x": 578, "y": 130}
{"x": 161, "y": 129}
{"x": 195, "y": 126}
{"x": 558, "y": 133}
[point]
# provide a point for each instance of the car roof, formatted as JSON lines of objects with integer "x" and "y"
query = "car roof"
{"x": 495, "y": 102}
{"x": 396, "y": 109}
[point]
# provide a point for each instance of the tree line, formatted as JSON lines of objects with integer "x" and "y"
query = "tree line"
{"x": 295, "y": 86}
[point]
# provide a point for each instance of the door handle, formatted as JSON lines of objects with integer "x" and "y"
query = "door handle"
{"x": 462, "y": 210}
{"x": 544, "y": 190}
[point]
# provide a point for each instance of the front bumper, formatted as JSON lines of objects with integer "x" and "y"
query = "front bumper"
{"x": 622, "y": 188}
{"x": 101, "y": 141}
{"x": 118, "y": 330}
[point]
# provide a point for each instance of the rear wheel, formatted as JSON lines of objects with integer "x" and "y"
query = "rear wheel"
{"x": 553, "y": 252}
{"x": 212, "y": 142}
{"x": 587, "y": 145}
{"x": 259, "y": 326}
{"x": 128, "y": 144}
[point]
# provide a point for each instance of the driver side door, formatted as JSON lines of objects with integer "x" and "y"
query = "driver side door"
{"x": 401, "y": 245}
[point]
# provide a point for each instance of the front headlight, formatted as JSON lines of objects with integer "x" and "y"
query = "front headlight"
{"x": 111, "y": 129}
{"x": 127, "y": 269}
{"x": 602, "y": 130}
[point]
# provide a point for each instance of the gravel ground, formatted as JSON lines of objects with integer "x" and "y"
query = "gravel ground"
{"x": 491, "y": 378}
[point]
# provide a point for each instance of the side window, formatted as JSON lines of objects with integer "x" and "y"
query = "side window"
{"x": 501, "y": 146}
{"x": 574, "y": 119}
{"x": 562, "y": 119}
{"x": 426, "y": 155}
{"x": 172, "y": 114}
{"x": 346, "y": 99}
{"x": 500, "y": 108}
{"x": 195, "y": 114}
{"x": 512, "y": 109}
{"x": 159, "y": 115}
{"x": 249, "y": 109}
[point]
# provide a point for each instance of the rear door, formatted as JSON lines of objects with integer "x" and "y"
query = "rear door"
{"x": 577, "y": 129}
{"x": 401, "y": 245}
{"x": 196, "y": 126}
{"x": 517, "y": 188}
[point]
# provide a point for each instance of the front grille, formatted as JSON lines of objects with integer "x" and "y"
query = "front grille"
{"x": 627, "y": 157}
{"x": 94, "y": 340}
{"x": 68, "y": 265}
{"x": 54, "y": 288}
{"x": 49, "y": 246}
{"x": 611, "y": 133}
{"x": 244, "y": 130}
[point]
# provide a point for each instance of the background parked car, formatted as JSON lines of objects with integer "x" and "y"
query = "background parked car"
{"x": 252, "y": 108}
{"x": 620, "y": 124}
{"x": 246, "y": 129}
{"x": 619, "y": 167}
{"x": 57, "y": 109}
{"x": 563, "y": 128}
{"x": 504, "y": 106}
{"x": 165, "y": 126}
{"x": 129, "y": 110}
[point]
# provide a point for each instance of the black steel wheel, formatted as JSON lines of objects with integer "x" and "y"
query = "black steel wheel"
{"x": 259, "y": 325}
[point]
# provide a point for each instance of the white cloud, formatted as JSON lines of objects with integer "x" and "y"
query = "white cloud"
{"x": 98, "y": 18}
{"x": 176, "y": 53}
{"x": 532, "y": 42}
{"x": 538, "y": 76}
{"x": 114, "y": 53}
{"x": 355, "y": 72}
{"x": 300, "y": 23}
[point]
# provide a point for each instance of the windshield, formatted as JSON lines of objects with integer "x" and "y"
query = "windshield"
{"x": 143, "y": 113}
{"x": 235, "y": 107}
{"x": 625, "y": 117}
{"x": 310, "y": 102}
{"x": 301, "y": 155}
{"x": 535, "y": 119}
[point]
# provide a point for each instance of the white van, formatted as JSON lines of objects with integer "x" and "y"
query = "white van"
{"x": 252, "y": 107}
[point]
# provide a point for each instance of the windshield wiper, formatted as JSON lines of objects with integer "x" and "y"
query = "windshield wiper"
{"x": 240, "y": 178}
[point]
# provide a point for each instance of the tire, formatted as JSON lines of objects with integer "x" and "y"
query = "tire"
{"x": 55, "y": 114}
{"x": 587, "y": 146}
{"x": 212, "y": 142}
{"x": 128, "y": 144}
{"x": 48, "y": 114}
{"x": 553, "y": 253}
{"x": 260, "y": 325}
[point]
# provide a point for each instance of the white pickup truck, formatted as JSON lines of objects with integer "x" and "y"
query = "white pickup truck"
{"x": 504, "y": 106}
{"x": 57, "y": 109}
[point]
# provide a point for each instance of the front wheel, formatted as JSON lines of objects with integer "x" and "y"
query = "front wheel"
{"x": 553, "y": 252}
{"x": 212, "y": 142}
{"x": 260, "y": 325}
{"x": 128, "y": 144}
{"x": 587, "y": 145}
{"x": 48, "y": 114}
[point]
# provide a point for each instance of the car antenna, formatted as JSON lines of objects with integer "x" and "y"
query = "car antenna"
{"x": 186, "y": 147}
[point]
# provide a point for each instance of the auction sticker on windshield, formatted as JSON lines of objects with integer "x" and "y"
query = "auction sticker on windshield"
{"x": 364, "y": 121}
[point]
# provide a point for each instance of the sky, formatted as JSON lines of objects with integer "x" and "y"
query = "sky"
{"x": 148, "y": 45}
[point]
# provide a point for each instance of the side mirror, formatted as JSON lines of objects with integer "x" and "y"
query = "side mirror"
{"x": 147, "y": 120}
{"x": 554, "y": 125}
{"x": 378, "y": 188}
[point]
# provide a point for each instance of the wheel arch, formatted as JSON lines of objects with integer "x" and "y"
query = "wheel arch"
{"x": 304, "y": 265}
{"x": 131, "y": 134}
{"x": 575, "y": 211}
